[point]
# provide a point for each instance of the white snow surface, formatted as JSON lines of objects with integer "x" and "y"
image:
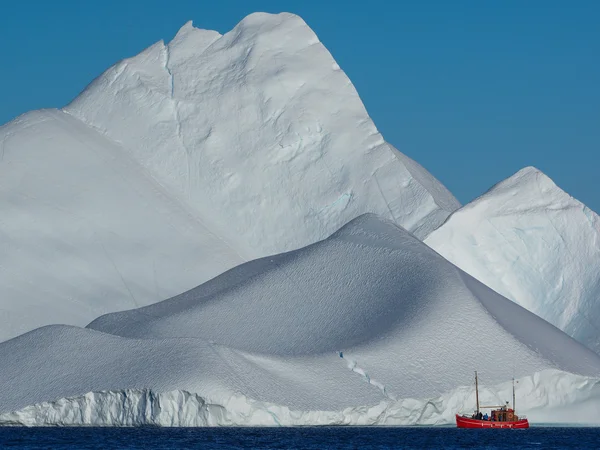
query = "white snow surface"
{"x": 261, "y": 131}
{"x": 367, "y": 326}
{"x": 185, "y": 161}
{"x": 534, "y": 244}
{"x": 84, "y": 231}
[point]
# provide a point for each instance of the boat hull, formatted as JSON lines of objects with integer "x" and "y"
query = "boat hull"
{"x": 467, "y": 422}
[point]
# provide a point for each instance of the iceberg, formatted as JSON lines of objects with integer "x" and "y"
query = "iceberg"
{"x": 240, "y": 177}
{"x": 369, "y": 326}
{"x": 549, "y": 397}
{"x": 260, "y": 130}
{"x": 185, "y": 161}
{"x": 534, "y": 244}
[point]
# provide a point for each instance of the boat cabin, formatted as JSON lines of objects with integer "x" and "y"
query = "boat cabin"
{"x": 503, "y": 414}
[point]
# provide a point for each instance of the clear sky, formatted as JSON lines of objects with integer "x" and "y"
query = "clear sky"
{"x": 473, "y": 90}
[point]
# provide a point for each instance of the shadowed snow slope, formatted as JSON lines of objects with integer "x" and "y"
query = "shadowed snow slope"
{"x": 185, "y": 161}
{"x": 533, "y": 243}
{"x": 260, "y": 129}
{"x": 370, "y": 314}
{"x": 84, "y": 231}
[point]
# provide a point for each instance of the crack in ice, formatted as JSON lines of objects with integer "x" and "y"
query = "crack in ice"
{"x": 354, "y": 367}
{"x": 176, "y": 113}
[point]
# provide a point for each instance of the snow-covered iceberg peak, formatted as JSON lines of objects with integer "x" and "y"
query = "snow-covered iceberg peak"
{"x": 185, "y": 161}
{"x": 262, "y": 134}
{"x": 535, "y": 244}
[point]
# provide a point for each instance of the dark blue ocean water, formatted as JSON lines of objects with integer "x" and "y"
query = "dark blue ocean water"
{"x": 300, "y": 438}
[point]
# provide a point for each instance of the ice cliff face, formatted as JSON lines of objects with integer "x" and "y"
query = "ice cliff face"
{"x": 185, "y": 161}
{"x": 535, "y": 244}
{"x": 351, "y": 325}
{"x": 547, "y": 397}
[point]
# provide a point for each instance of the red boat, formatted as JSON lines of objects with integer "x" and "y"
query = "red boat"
{"x": 467, "y": 422}
{"x": 502, "y": 417}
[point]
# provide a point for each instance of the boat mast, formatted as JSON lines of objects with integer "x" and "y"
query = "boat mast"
{"x": 476, "y": 392}
{"x": 514, "y": 394}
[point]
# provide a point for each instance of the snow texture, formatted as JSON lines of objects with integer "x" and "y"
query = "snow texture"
{"x": 260, "y": 130}
{"x": 183, "y": 162}
{"x": 85, "y": 231}
{"x": 347, "y": 330}
{"x": 534, "y": 244}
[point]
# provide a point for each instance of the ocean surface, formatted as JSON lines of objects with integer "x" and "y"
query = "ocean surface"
{"x": 298, "y": 438}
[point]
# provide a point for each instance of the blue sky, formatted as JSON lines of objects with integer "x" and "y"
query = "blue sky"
{"x": 473, "y": 90}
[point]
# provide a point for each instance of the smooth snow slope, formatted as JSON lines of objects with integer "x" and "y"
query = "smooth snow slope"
{"x": 260, "y": 130}
{"x": 84, "y": 231}
{"x": 373, "y": 288}
{"x": 369, "y": 315}
{"x": 534, "y": 244}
